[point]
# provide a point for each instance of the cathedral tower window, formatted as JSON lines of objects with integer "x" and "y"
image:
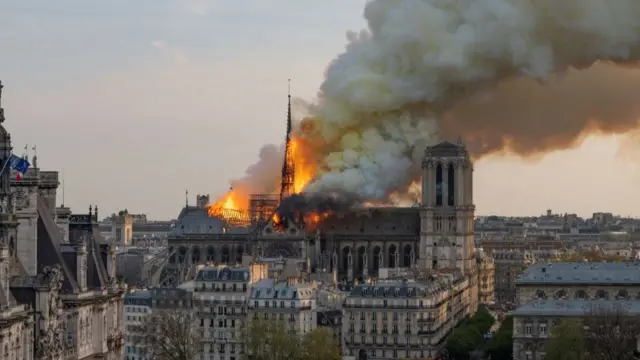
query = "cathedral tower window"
{"x": 451, "y": 173}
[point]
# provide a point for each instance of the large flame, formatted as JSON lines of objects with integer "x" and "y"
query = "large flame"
{"x": 305, "y": 171}
{"x": 232, "y": 200}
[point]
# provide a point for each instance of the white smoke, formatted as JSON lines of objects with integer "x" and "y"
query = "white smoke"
{"x": 382, "y": 100}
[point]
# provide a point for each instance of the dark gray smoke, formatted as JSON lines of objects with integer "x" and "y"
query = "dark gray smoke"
{"x": 335, "y": 201}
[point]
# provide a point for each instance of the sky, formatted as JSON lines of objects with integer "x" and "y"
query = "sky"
{"x": 136, "y": 102}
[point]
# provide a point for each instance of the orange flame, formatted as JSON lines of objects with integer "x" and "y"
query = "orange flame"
{"x": 304, "y": 169}
{"x": 232, "y": 200}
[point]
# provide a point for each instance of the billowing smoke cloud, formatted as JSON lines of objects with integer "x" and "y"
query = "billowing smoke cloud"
{"x": 486, "y": 70}
{"x": 263, "y": 176}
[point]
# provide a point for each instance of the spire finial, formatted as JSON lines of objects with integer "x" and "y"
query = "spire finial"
{"x": 460, "y": 142}
{"x": 186, "y": 198}
{"x": 35, "y": 157}
{"x": 90, "y": 210}
{"x": 1, "y": 110}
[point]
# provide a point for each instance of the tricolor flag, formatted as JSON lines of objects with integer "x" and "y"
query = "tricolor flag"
{"x": 20, "y": 165}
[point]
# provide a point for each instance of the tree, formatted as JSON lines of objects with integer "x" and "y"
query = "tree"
{"x": 601, "y": 334}
{"x": 566, "y": 341}
{"x": 169, "y": 335}
{"x": 500, "y": 347}
{"x": 269, "y": 340}
{"x": 611, "y": 334}
{"x": 469, "y": 336}
{"x": 318, "y": 344}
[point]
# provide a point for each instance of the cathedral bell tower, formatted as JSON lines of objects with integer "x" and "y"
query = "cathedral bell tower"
{"x": 446, "y": 236}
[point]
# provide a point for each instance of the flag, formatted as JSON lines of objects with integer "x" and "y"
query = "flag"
{"x": 20, "y": 165}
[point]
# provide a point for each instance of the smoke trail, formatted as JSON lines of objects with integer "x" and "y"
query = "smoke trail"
{"x": 414, "y": 76}
{"x": 263, "y": 176}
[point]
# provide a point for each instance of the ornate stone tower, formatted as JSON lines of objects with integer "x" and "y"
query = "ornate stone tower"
{"x": 447, "y": 239}
{"x": 8, "y": 220}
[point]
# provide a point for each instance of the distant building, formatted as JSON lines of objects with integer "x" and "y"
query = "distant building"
{"x": 548, "y": 292}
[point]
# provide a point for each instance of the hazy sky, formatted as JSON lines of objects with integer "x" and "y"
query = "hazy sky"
{"x": 137, "y": 101}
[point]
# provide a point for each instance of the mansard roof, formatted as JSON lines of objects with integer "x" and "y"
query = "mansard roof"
{"x": 222, "y": 273}
{"x": 48, "y": 246}
{"x": 196, "y": 220}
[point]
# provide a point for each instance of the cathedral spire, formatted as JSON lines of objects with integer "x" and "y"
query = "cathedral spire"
{"x": 288, "y": 166}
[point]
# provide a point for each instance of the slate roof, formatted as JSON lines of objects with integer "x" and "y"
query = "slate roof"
{"x": 581, "y": 273}
{"x": 270, "y": 289}
{"x": 576, "y": 308}
{"x": 400, "y": 289}
{"x": 329, "y": 318}
{"x": 223, "y": 273}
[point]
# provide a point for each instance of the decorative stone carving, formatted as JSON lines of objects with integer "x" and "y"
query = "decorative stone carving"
{"x": 20, "y": 197}
{"x": 349, "y": 259}
{"x": 380, "y": 259}
{"x": 365, "y": 260}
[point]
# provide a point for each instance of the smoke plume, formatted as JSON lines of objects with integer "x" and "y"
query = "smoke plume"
{"x": 326, "y": 202}
{"x": 523, "y": 76}
{"x": 263, "y": 176}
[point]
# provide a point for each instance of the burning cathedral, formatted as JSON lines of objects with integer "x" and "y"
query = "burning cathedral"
{"x": 435, "y": 235}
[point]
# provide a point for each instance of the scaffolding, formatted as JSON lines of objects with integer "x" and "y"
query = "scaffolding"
{"x": 262, "y": 206}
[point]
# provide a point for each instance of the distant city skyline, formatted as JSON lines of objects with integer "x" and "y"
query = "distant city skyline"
{"x": 137, "y": 103}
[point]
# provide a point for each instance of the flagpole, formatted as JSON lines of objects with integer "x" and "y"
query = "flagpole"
{"x": 6, "y": 163}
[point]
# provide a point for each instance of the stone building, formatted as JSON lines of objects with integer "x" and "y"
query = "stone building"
{"x": 220, "y": 299}
{"x": 64, "y": 291}
{"x": 486, "y": 277}
{"x": 532, "y": 323}
{"x": 545, "y": 290}
{"x": 404, "y": 319}
{"x": 289, "y": 301}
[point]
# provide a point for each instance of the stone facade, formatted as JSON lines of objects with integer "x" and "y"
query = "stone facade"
{"x": 59, "y": 296}
{"x": 404, "y": 319}
{"x": 547, "y": 292}
{"x": 486, "y": 278}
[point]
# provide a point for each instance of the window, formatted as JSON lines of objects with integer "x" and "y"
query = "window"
{"x": 528, "y": 329}
{"x": 542, "y": 329}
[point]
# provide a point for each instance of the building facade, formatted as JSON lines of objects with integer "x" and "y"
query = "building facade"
{"x": 486, "y": 278}
{"x": 62, "y": 289}
{"x": 548, "y": 292}
{"x": 404, "y": 319}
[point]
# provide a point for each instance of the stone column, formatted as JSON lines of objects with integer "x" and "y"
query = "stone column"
{"x": 350, "y": 266}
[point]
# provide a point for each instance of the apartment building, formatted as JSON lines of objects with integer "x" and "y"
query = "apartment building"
{"x": 396, "y": 319}
{"x": 289, "y": 301}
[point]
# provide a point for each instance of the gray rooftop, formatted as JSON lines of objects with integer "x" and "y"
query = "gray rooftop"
{"x": 576, "y": 308}
{"x": 270, "y": 289}
{"x": 223, "y": 273}
{"x": 400, "y": 289}
{"x": 581, "y": 273}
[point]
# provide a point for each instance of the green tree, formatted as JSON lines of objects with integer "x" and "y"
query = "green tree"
{"x": 169, "y": 335}
{"x": 500, "y": 347}
{"x": 270, "y": 340}
{"x": 566, "y": 341}
{"x": 318, "y": 344}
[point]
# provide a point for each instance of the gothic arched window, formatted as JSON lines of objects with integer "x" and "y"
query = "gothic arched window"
{"x": 451, "y": 188}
